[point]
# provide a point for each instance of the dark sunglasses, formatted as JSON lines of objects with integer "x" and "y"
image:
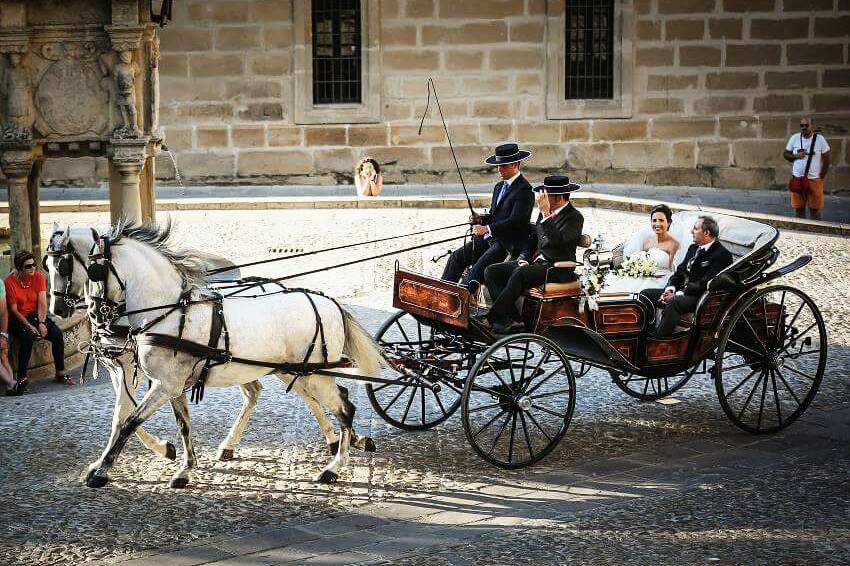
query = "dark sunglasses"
{"x": 29, "y": 265}
{"x": 804, "y": 125}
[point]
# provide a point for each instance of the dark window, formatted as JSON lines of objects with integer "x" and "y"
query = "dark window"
{"x": 336, "y": 51}
{"x": 590, "y": 49}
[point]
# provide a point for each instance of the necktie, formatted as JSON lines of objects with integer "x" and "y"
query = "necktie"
{"x": 696, "y": 258}
{"x": 501, "y": 192}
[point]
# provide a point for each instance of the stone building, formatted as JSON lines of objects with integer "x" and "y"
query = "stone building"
{"x": 683, "y": 92}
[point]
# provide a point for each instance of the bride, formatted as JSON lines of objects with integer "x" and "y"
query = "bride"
{"x": 660, "y": 247}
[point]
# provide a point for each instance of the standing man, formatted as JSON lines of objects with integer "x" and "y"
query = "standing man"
{"x": 505, "y": 229}
{"x": 809, "y": 166}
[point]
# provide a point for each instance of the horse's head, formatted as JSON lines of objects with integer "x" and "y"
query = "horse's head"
{"x": 65, "y": 265}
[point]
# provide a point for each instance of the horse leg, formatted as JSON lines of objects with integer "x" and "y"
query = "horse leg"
{"x": 364, "y": 443}
{"x": 98, "y": 474}
{"x": 325, "y": 390}
{"x": 250, "y": 395}
{"x": 181, "y": 412}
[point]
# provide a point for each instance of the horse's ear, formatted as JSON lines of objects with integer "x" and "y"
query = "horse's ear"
{"x": 95, "y": 236}
{"x": 66, "y": 235}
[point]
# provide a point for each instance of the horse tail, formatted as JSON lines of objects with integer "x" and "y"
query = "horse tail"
{"x": 361, "y": 347}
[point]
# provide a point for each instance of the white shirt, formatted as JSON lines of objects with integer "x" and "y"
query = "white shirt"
{"x": 554, "y": 212}
{"x": 504, "y": 193}
{"x": 798, "y": 167}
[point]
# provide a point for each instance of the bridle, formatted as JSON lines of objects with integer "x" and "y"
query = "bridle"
{"x": 65, "y": 267}
{"x": 104, "y": 311}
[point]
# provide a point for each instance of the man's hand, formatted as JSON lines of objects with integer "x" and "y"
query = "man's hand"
{"x": 667, "y": 295}
{"x": 543, "y": 204}
{"x": 522, "y": 263}
{"x": 475, "y": 218}
{"x": 4, "y": 343}
{"x": 42, "y": 329}
{"x": 801, "y": 154}
{"x": 479, "y": 230}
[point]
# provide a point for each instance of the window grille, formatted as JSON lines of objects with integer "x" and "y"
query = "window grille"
{"x": 589, "y": 42}
{"x": 336, "y": 52}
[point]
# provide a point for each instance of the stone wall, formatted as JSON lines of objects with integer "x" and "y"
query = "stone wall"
{"x": 717, "y": 87}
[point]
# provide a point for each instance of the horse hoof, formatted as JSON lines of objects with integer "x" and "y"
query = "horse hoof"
{"x": 327, "y": 477}
{"x": 369, "y": 445}
{"x": 225, "y": 454}
{"x": 179, "y": 483}
{"x": 170, "y": 451}
{"x": 333, "y": 448}
{"x": 96, "y": 481}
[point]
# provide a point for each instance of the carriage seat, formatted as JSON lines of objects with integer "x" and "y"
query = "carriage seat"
{"x": 557, "y": 290}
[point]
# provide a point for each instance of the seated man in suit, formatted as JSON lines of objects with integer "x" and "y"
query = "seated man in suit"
{"x": 554, "y": 238}
{"x": 705, "y": 258}
{"x": 505, "y": 229}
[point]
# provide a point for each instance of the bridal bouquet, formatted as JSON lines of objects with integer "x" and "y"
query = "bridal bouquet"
{"x": 639, "y": 265}
{"x": 592, "y": 281}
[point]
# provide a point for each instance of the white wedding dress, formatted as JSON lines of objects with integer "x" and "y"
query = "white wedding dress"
{"x": 622, "y": 284}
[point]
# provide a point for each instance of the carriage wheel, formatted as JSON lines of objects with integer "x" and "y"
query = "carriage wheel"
{"x": 652, "y": 388}
{"x": 518, "y": 400}
{"x": 770, "y": 359}
{"x": 419, "y": 352}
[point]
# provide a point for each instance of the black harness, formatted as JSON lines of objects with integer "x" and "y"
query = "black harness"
{"x": 65, "y": 267}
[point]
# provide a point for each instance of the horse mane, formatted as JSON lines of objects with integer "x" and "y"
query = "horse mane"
{"x": 189, "y": 265}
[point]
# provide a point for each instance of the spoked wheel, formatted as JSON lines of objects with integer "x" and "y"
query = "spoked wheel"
{"x": 652, "y": 388}
{"x": 518, "y": 400}
{"x": 420, "y": 354}
{"x": 770, "y": 359}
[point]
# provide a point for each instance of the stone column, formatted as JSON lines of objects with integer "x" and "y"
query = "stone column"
{"x": 128, "y": 158}
{"x": 147, "y": 190}
{"x": 33, "y": 185}
{"x": 16, "y": 164}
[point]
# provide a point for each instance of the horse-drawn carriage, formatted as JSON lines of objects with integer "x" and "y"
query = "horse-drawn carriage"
{"x": 763, "y": 345}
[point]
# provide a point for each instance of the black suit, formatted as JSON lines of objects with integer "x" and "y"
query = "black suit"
{"x": 691, "y": 278}
{"x": 508, "y": 222}
{"x": 551, "y": 241}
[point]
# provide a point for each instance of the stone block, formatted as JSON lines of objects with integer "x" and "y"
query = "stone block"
{"x": 615, "y": 130}
{"x": 325, "y": 135}
{"x": 469, "y": 156}
{"x": 498, "y": 133}
{"x": 226, "y": 12}
{"x": 248, "y": 137}
{"x": 814, "y": 53}
{"x": 806, "y": 5}
{"x": 787, "y": 28}
{"x": 80, "y": 170}
{"x": 337, "y": 160}
{"x": 725, "y": 28}
{"x": 203, "y": 112}
{"x": 466, "y": 134}
{"x": 679, "y": 177}
{"x": 684, "y": 30}
{"x": 462, "y": 60}
{"x": 731, "y": 80}
{"x": 547, "y": 156}
{"x": 186, "y": 40}
{"x": 822, "y": 103}
{"x": 683, "y": 154}
{"x": 269, "y": 63}
{"x": 836, "y": 78}
{"x": 699, "y": 56}
{"x": 685, "y": 6}
{"x": 394, "y": 36}
{"x": 541, "y": 132}
{"x": 674, "y": 128}
{"x": 252, "y": 89}
{"x": 664, "y": 83}
{"x": 277, "y": 37}
{"x": 749, "y": 5}
{"x": 472, "y": 33}
{"x": 199, "y": 165}
{"x": 778, "y": 103}
{"x": 719, "y": 104}
{"x": 739, "y": 127}
{"x": 832, "y": 26}
{"x": 648, "y": 30}
{"x": 775, "y": 128}
{"x": 419, "y": 8}
{"x": 575, "y": 131}
{"x": 712, "y": 154}
{"x": 267, "y": 11}
{"x": 282, "y": 136}
{"x": 192, "y": 90}
{"x": 411, "y": 60}
{"x": 789, "y": 80}
{"x": 490, "y": 85}
{"x": 529, "y": 83}
{"x": 237, "y": 38}
{"x": 212, "y": 138}
{"x": 367, "y": 135}
{"x": 410, "y": 135}
{"x": 173, "y": 65}
{"x": 833, "y": 125}
{"x": 272, "y": 163}
{"x": 753, "y": 55}
{"x": 405, "y": 158}
{"x": 618, "y": 176}
{"x": 640, "y": 155}
{"x": 516, "y": 58}
{"x": 589, "y": 156}
{"x": 661, "y": 106}
{"x": 654, "y": 57}
{"x": 261, "y": 111}
{"x": 398, "y": 110}
{"x": 178, "y": 138}
{"x": 491, "y": 9}
{"x": 734, "y": 178}
{"x": 391, "y": 9}
{"x": 209, "y": 65}
{"x": 758, "y": 153}
{"x": 491, "y": 109}
{"x": 526, "y": 32}
{"x": 536, "y": 7}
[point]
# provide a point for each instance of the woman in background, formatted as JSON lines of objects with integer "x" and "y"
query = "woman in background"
{"x": 367, "y": 178}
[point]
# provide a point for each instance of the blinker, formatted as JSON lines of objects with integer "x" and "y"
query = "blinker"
{"x": 97, "y": 272}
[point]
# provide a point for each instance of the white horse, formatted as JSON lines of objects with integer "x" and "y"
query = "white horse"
{"x": 143, "y": 271}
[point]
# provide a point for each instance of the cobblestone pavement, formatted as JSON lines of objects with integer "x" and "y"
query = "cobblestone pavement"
{"x": 632, "y": 483}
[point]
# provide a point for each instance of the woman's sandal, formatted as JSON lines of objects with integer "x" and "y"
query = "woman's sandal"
{"x": 64, "y": 378}
{"x": 19, "y": 388}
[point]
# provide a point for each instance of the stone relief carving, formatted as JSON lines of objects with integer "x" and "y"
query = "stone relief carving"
{"x": 51, "y": 12}
{"x": 71, "y": 98}
{"x": 17, "y": 126}
{"x": 124, "y": 73}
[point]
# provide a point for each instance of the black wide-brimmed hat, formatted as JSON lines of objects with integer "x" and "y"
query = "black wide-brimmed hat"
{"x": 557, "y": 185}
{"x": 507, "y": 153}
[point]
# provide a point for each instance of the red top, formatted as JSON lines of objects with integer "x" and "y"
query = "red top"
{"x": 25, "y": 298}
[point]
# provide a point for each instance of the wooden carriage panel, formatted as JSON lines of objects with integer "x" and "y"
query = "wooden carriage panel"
{"x": 431, "y": 298}
{"x": 626, "y": 347}
{"x": 714, "y": 306}
{"x": 619, "y": 318}
{"x": 666, "y": 350}
{"x": 555, "y": 312}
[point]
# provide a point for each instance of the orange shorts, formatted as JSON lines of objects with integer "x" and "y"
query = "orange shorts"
{"x": 814, "y": 196}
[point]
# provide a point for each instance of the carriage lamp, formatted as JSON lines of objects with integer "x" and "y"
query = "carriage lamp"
{"x": 163, "y": 14}
{"x": 598, "y": 242}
